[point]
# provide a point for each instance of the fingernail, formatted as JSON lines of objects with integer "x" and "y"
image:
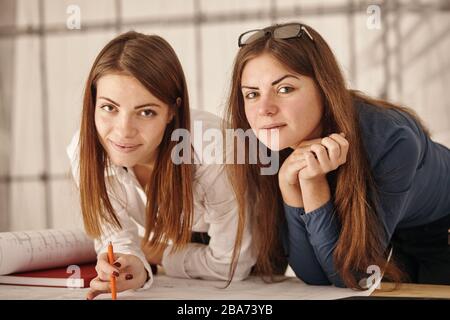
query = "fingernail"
{"x": 128, "y": 277}
{"x": 117, "y": 264}
{"x": 116, "y": 273}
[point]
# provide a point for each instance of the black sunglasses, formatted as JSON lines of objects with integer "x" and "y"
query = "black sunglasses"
{"x": 286, "y": 31}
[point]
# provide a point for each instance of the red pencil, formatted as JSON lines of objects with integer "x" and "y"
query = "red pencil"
{"x": 112, "y": 278}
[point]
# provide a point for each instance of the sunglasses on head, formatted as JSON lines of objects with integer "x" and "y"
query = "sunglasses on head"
{"x": 286, "y": 31}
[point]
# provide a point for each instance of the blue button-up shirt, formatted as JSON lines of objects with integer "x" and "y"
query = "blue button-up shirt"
{"x": 412, "y": 175}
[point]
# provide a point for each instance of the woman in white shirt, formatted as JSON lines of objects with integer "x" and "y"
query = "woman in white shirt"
{"x": 128, "y": 175}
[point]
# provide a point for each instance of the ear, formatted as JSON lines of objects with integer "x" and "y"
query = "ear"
{"x": 171, "y": 115}
{"x": 172, "y": 111}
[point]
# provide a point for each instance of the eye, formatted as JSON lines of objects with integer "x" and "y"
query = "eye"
{"x": 108, "y": 108}
{"x": 251, "y": 95}
{"x": 285, "y": 89}
{"x": 147, "y": 113}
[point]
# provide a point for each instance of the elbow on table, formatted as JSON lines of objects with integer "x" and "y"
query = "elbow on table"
{"x": 339, "y": 283}
{"x": 318, "y": 278}
{"x": 322, "y": 282}
{"x": 222, "y": 272}
{"x": 241, "y": 273}
{"x": 314, "y": 282}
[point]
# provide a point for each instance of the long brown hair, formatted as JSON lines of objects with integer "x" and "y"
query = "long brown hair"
{"x": 169, "y": 211}
{"x": 358, "y": 245}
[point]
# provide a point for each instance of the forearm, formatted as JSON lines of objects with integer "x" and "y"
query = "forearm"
{"x": 315, "y": 193}
{"x": 312, "y": 234}
{"x": 300, "y": 253}
{"x": 199, "y": 261}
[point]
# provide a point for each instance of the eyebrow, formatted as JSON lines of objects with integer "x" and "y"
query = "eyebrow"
{"x": 137, "y": 107}
{"x": 274, "y": 82}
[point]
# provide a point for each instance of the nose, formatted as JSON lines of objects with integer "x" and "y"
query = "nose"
{"x": 267, "y": 105}
{"x": 126, "y": 127}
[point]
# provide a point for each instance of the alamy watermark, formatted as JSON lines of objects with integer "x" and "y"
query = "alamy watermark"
{"x": 215, "y": 146}
{"x": 73, "y": 21}
{"x": 373, "y": 279}
{"x": 75, "y": 280}
{"x": 374, "y": 17}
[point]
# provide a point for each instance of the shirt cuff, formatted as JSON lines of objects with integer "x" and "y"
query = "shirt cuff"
{"x": 321, "y": 224}
{"x": 173, "y": 262}
{"x": 149, "y": 281}
{"x": 299, "y": 211}
{"x": 327, "y": 207}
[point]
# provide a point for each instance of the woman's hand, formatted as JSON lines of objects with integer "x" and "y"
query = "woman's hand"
{"x": 289, "y": 182}
{"x": 311, "y": 160}
{"x": 317, "y": 157}
{"x": 320, "y": 157}
{"x": 128, "y": 269}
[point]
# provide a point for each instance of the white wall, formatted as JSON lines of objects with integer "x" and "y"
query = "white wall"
{"x": 418, "y": 60}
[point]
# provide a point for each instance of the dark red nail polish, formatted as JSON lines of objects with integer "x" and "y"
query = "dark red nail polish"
{"x": 116, "y": 273}
{"x": 128, "y": 277}
{"x": 117, "y": 264}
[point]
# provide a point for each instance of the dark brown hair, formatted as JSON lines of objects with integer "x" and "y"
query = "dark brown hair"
{"x": 358, "y": 245}
{"x": 153, "y": 62}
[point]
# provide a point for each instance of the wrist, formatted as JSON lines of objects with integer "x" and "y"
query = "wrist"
{"x": 292, "y": 195}
{"x": 319, "y": 180}
{"x": 316, "y": 192}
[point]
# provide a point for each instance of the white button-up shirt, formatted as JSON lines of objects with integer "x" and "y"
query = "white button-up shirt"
{"x": 215, "y": 212}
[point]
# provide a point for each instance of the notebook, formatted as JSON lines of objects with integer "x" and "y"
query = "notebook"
{"x": 74, "y": 276}
{"x": 51, "y": 257}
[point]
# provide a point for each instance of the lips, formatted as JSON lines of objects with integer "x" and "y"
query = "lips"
{"x": 124, "y": 147}
{"x": 273, "y": 126}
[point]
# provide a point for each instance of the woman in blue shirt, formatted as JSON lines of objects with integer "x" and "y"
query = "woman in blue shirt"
{"x": 360, "y": 178}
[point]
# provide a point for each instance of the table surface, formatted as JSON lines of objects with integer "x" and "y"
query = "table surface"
{"x": 253, "y": 288}
{"x": 411, "y": 290}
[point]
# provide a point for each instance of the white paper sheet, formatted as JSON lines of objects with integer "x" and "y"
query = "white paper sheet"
{"x": 168, "y": 288}
{"x": 41, "y": 249}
